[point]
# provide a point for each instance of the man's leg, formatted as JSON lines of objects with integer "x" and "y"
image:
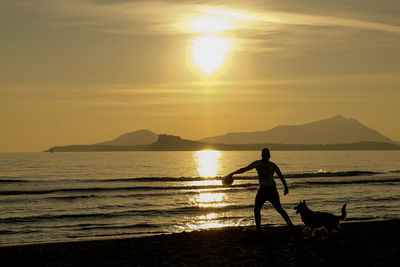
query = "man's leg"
{"x": 275, "y": 201}
{"x": 260, "y": 200}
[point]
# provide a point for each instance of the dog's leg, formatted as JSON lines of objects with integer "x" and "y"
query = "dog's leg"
{"x": 337, "y": 227}
{"x": 306, "y": 229}
{"x": 313, "y": 233}
{"x": 307, "y": 232}
{"x": 310, "y": 233}
{"x": 328, "y": 231}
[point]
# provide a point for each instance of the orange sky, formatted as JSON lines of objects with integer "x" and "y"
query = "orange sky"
{"x": 81, "y": 72}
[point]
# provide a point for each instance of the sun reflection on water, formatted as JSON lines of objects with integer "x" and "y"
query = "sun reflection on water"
{"x": 207, "y": 221}
{"x": 207, "y": 200}
{"x": 208, "y": 166}
{"x": 208, "y": 162}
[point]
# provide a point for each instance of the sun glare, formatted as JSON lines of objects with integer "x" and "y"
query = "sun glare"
{"x": 209, "y": 52}
{"x": 210, "y": 24}
{"x": 215, "y": 28}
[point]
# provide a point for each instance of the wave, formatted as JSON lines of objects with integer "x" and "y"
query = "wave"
{"x": 194, "y": 179}
{"x": 161, "y": 194}
{"x": 14, "y": 181}
{"x": 140, "y": 233}
{"x": 332, "y": 174}
{"x": 384, "y": 199}
{"x": 380, "y": 181}
{"x": 108, "y": 189}
{"x": 12, "y": 232}
{"x": 183, "y": 189}
{"x": 350, "y": 219}
{"x": 148, "y": 212}
{"x": 119, "y": 227}
{"x": 127, "y": 196}
{"x": 73, "y": 197}
{"x": 48, "y": 217}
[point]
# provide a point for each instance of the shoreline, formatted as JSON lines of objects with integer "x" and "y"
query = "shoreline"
{"x": 135, "y": 236}
{"x": 367, "y": 243}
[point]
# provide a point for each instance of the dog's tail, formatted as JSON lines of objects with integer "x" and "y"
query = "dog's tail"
{"x": 344, "y": 214}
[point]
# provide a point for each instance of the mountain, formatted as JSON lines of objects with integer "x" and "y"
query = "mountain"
{"x": 336, "y": 133}
{"x": 164, "y": 142}
{"x": 167, "y": 142}
{"x": 140, "y": 137}
{"x": 335, "y": 130}
{"x": 175, "y": 143}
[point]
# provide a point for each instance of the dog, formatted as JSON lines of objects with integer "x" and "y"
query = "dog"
{"x": 316, "y": 220}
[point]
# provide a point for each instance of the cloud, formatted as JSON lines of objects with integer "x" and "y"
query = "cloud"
{"x": 171, "y": 17}
{"x": 313, "y": 20}
{"x": 258, "y": 26}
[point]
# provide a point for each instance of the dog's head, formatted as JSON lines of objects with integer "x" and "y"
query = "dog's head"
{"x": 301, "y": 206}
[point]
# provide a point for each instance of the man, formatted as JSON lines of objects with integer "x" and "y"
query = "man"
{"x": 267, "y": 189}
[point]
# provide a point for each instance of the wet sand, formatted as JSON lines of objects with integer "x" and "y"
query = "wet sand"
{"x": 357, "y": 244}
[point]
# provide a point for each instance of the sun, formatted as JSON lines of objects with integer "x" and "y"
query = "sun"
{"x": 209, "y": 52}
{"x": 215, "y": 31}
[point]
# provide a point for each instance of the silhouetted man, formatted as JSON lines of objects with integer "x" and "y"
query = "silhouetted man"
{"x": 267, "y": 190}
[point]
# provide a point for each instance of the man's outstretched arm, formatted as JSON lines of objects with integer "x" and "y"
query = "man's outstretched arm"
{"x": 242, "y": 170}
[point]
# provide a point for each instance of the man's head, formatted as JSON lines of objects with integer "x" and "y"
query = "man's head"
{"x": 265, "y": 154}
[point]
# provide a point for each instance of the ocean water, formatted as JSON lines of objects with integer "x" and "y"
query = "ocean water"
{"x": 47, "y": 197}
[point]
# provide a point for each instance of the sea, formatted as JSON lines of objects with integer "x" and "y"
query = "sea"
{"x": 51, "y": 197}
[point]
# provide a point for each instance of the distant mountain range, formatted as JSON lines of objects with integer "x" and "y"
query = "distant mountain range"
{"x": 336, "y": 133}
{"x": 335, "y": 130}
{"x": 140, "y": 137}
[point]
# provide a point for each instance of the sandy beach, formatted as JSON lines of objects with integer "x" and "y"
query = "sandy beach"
{"x": 357, "y": 244}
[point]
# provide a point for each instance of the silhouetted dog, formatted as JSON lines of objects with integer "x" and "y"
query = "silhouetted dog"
{"x": 319, "y": 220}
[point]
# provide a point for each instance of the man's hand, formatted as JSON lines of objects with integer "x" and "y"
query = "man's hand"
{"x": 286, "y": 191}
{"x": 229, "y": 176}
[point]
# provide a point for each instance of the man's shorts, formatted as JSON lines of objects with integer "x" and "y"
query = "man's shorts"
{"x": 269, "y": 193}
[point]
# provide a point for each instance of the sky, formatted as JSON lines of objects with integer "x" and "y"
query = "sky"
{"x": 87, "y": 71}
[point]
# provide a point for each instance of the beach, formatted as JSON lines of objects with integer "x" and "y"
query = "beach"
{"x": 373, "y": 243}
